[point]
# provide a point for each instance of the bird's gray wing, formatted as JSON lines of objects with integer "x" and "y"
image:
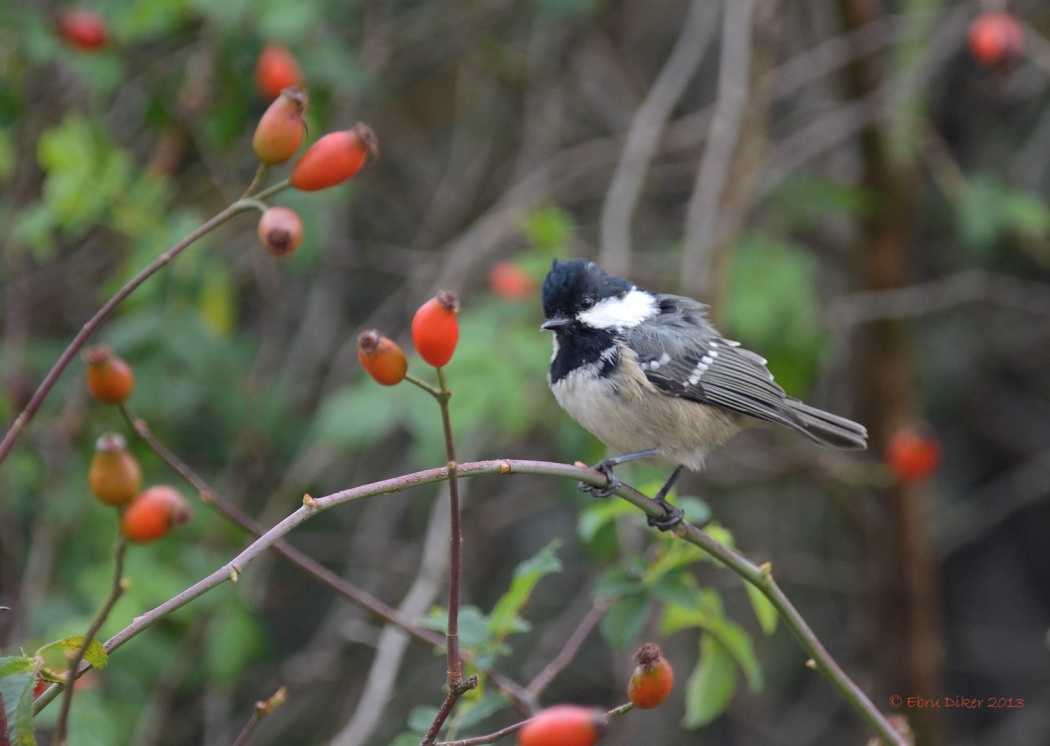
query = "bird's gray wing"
{"x": 682, "y": 355}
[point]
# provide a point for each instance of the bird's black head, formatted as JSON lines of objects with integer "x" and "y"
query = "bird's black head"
{"x": 575, "y": 286}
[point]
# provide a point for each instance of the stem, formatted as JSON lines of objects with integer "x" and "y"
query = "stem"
{"x": 456, "y": 686}
{"x": 92, "y": 325}
{"x": 285, "y": 550}
{"x": 455, "y": 565}
{"x": 760, "y": 577}
{"x": 262, "y": 709}
{"x": 572, "y": 646}
{"x": 115, "y": 592}
{"x": 821, "y": 660}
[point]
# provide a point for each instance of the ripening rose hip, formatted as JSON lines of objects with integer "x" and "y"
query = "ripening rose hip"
{"x": 84, "y": 29}
{"x": 334, "y": 158}
{"x": 109, "y": 378}
{"x": 435, "y": 330}
{"x": 510, "y": 281}
{"x": 913, "y": 454}
{"x": 652, "y": 679}
{"x": 281, "y": 127}
{"x": 153, "y": 514}
{"x": 275, "y": 70}
{"x": 996, "y": 38}
{"x": 564, "y": 725}
{"x": 381, "y": 358}
{"x": 280, "y": 230}
{"x": 114, "y": 476}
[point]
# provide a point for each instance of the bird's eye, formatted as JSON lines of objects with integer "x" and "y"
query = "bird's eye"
{"x": 586, "y": 302}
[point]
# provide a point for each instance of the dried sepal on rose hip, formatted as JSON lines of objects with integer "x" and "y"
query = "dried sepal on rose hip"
{"x": 652, "y": 679}
{"x": 381, "y": 358}
{"x": 114, "y": 476}
{"x": 564, "y": 725}
{"x": 281, "y": 128}
{"x": 275, "y": 70}
{"x": 280, "y": 230}
{"x": 334, "y": 158}
{"x": 435, "y": 330}
{"x": 153, "y": 514}
{"x": 109, "y": 378}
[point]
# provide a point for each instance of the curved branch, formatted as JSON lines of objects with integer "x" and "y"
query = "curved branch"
{"x": 760, "y": 577}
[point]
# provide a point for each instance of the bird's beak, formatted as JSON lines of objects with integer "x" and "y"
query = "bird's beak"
{"x": 555, "y": 323}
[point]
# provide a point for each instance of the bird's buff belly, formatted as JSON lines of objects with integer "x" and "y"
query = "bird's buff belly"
{"x": 638, "y": 417}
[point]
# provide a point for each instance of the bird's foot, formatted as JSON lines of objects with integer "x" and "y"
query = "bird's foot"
{"x": 672, "y": 516}
{"x": 605, "y": 466}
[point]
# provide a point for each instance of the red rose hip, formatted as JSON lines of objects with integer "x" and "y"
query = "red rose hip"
{"x": 563, "y": 725}
{"x": 334, "y": 158}
{"x": 435, "y": 330}
{"x": 275, "y": 70}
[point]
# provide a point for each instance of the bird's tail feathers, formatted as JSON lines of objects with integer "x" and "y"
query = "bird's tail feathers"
{"x": 829, "y": 429}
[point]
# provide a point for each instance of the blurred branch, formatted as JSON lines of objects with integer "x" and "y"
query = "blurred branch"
{"x": 572, "y": 646}
{"x": 116, "y": 590}
{"x": 971, "y": 286}
{"x": 621, "y": 199}
{"x": 294, "y": 556}
{"x": 701, "y": 224}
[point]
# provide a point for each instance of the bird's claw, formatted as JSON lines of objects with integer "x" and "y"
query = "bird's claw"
{"x": 672, "y": 516}
{"x": 613, "y": 485}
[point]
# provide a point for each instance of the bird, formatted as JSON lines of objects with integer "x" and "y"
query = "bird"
{"x": 650, "y": 377}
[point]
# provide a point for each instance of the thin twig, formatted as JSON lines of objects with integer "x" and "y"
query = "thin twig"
{"x": 92, "y": 325}
{"x": 457, "y": 687}
{"x": 116, "y": 590}
{"x": 262, "y": 709}
{"x": 493, "y": 737}
{"x": 572, "y": 646}
{"x": 288, "y": 552}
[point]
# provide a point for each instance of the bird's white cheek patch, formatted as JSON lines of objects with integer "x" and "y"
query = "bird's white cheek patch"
{"x": 620, "y": 313}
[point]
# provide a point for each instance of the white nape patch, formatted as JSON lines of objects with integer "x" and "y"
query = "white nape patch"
{"x": 622, "y": 312}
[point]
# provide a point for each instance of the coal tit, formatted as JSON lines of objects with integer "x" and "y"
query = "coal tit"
{"x": 651, "y": 378}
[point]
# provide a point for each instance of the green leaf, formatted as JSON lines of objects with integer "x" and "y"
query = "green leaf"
{"x": 472, "y": 711}
{"x": 764, "y": 610}
{"x": 676, "y": 588}
{"x": 420, "y": 718}
{"x": 548, "y": 228}
{"x": 711, "y": 684}
{"x": 233, "y": 641}
{"x": 95, "y": 654}
{"x": 504, "y": 618}
{"x": 599, "y": 514}
{"x": 625, "y": 619}
{"x": 17, "y": 678}
{"x": 771, "y": 306}
{"x": 357, "y": 415}
{"x": 616, "y": 581}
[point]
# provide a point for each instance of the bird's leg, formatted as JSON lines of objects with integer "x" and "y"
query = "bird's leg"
{"x": 605, "y": 466}
{"x": 673, "y": 514}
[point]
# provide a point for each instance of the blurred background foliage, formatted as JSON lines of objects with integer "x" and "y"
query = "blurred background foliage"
{"x": 872, "y": 217}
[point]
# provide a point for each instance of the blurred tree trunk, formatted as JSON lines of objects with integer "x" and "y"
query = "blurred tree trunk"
{"x": 911, "y": 624}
